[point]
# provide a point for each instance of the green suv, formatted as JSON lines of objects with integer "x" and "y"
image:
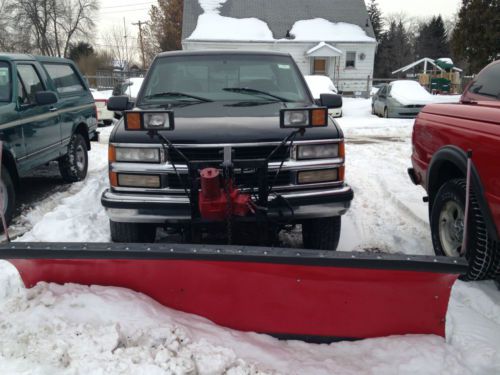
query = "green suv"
{"x": 46, "y": 113}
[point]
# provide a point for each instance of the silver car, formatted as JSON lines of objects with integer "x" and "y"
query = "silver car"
{"x": 407, "y": 103}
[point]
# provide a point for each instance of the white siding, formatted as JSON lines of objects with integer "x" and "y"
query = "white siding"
{"x": 348, "y": 80}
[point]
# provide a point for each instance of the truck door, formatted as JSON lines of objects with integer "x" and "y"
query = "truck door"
{"x": 40, "y": 122}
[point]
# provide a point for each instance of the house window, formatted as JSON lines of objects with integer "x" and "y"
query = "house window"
{"x": 350, "y": 60}
{"x": 319, "y": 66}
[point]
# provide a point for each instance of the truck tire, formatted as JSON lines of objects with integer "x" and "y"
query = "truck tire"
{"x": 73, "y": 166}
{"x": 132, "y": 232}
{"x": 321, "y": 234}
{"x": 447, "y": 221}
{"x": 8, "y": 195}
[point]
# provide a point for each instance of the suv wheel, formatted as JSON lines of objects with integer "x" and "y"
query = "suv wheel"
{"x": 132, "y": 232}
{"x": 73, "y": 166}
{"x": 447, "y": 227}
{"x": 322, "y": 234}
{"x": 8, "y": 196}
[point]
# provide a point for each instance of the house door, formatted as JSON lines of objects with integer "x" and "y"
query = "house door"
{"x": 319, "y": 66}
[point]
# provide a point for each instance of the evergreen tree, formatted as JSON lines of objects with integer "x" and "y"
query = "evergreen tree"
{"x": 394, "y": 50}
{"x": 432, "y": 40}
{"x": 164, "y": 30}
{"x": 376, "y": 19}
{"x": 79, "y": 50}
{"x": 476, "y": 37}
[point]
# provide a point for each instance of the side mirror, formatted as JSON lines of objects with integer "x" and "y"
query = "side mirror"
{"x": 45, "y": 98}
{"x": 118, "y": 103}
{"x": 331, "y": 100}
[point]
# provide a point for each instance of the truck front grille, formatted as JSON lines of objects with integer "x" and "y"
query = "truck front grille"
{"x": 241, "y": 153}
{"x": 243, "y": 180}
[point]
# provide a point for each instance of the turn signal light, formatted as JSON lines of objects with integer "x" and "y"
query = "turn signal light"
{"x": 319, "y": 117}
{"x": 111, "y": 153}
{"x": 133, "y": 121}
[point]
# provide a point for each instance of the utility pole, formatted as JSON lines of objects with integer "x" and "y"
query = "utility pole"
{"x": 140, "y": 24}
{"x": 127, "y": 60}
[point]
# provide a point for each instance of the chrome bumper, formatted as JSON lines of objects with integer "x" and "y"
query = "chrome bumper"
{"x": 159, "y": 209}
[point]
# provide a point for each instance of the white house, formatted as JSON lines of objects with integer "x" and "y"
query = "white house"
{"x": 329, "y": 37}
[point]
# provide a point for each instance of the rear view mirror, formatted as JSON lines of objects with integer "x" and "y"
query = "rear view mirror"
{"x": 45, "y": 98}
{"x": 331, "y": 100}
{"x": 118, "y": 103}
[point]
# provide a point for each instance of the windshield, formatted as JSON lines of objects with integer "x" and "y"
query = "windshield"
{"x": 233, "y": 78}
{"x": 5, "y": 86}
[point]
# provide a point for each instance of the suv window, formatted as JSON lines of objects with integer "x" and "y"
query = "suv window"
{"x": 31, "y": 83}
{"x": 5, "y": 82}
{"x": 65, "y": 78}
{"x": 488, "y": 82}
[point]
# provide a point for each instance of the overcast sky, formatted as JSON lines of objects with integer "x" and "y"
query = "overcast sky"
{"x": 113, "y": 12}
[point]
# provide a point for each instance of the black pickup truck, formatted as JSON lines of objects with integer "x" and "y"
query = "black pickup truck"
{"x": 247, "y": 116}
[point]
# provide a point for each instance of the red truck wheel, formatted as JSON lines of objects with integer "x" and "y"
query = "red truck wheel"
{"x": 447, "y": 226}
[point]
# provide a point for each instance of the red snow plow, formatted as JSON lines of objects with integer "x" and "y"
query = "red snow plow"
{"x": 316, "y": 296}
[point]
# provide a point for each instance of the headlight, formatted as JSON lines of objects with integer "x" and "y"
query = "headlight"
{"x": 325, "y": 151}
{"x": 139, "y": 155}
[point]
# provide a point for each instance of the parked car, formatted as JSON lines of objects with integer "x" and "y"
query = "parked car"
{"x": 400, "y": 99}
{"x": 323, "y": 85}
{"x": 224, "y": 105}
{"x": 46, "y": 113}
{"x": 443, "y": 134}
{"x": 104, "y": 116}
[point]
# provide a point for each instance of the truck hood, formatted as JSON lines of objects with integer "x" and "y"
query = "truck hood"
{"x": 484, "y": 111}
{"x": 223, "y": 122}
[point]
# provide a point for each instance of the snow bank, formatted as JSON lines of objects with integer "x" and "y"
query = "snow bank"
{"x": 75, "y": 215}
{"x": 320, "y": 85}
{"x": 318, "y": 29}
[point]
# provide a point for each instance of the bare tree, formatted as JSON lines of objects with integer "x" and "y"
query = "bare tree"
{"x": 54, "y": 24}
{"x": 120, "y": 43}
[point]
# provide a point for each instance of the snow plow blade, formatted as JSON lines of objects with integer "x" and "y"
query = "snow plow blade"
{"x": 288, "y": 293}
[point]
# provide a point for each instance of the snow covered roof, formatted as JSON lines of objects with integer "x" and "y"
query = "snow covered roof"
{"x": 279, "y": 16}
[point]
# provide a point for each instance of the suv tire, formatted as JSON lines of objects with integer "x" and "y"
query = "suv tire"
{"x": 73, "y": 166}
{"x": 321, "y": 234}
{"x": 446, "y": 217}
{"x": 132, "y": 232}
{"x": 9, "y": 195}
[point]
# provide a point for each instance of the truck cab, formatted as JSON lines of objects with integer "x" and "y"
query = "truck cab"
{"x": 46, "y": 113}
{"x": 221, "y": 101}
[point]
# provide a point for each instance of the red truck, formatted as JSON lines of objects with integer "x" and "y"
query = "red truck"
{"x": 443, "y": 135}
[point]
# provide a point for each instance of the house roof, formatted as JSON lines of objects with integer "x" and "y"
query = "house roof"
{"x": 281, "y": 15}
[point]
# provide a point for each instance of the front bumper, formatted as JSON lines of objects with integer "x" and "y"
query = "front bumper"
{"x": 404, "y": 112}
{"x": 161, "y": 209}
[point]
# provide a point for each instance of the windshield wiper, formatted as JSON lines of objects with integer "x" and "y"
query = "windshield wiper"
{"x": 176, "y": 94}
{"x": 246, "y": 90}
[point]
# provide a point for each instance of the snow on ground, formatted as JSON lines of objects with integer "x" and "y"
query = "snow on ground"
{"x": 74, "y": 329}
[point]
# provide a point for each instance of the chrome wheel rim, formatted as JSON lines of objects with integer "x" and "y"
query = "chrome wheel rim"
{"x": 451, "y": 228}
{"x": 80, "y": 158}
